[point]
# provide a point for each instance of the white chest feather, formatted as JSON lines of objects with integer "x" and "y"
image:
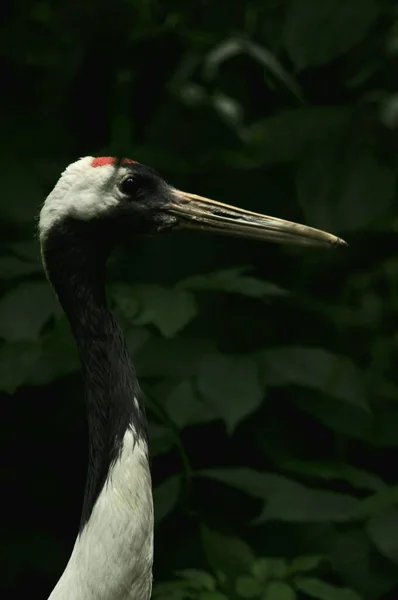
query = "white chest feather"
{"x": 112, "y": 558}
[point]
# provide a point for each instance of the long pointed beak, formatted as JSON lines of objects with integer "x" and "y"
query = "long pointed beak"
{"x": 197, "y": 212}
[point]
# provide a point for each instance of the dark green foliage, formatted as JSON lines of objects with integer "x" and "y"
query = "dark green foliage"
{"x": 270, "y": 373}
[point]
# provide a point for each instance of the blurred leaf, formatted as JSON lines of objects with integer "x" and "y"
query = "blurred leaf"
{"x": 11, "y": 266}
{"x": 136, "y": 337}
{"x": 248, "y": 587}
{"x": 315, "y": 588}
{"x": 309, "y": 505}
{"x": 212, "y": 596}
{"x": 178, "y": 357}
{"x": 302, "y": 564}
{"x": 160, "y": 438}
{"x": 165, "y": 497}
{"x": 353, "y": 559}
{"x": 26, "y": 251}
{"x": 219, "y": 54}
{"x": 231, "y": 386}
{"x": 383, "y": 531}
{"x": 200, "y": 580}
{"x": 318, "y": 32}
{"x": 315, "y": 506}
{"x": 340, "y": 471}
{"x": 348, "y": 420}
{"x": 261, "y": 569}
{"x": 170, "y": 309}
{"x": 262, "y": 485}
{"x": 226, "y": 554}
{"x": 337, "y": 188}
{"x": 290, "y": 134}
{"x": 317, "y": 369}
{"x": 58, "y": 356}
{"x": 269, "y": 60}
{"x": 278, "y": 590}
{"x": 184, "y": 406}
{"x": 233, "y": 47}
{"x": 270, "y": 568}
{"x": 233, "y": 281}
{"x": 173, "y": 590}
{"x": 25, "y": 309}
{"x": 16, "y": 362}
{"x": 378, "y": 503}
{"x": 229, "y": 109}
{"x": 21, "y": 196}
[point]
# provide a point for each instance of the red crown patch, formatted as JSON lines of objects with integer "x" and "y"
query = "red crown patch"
{"x": 102, "y": 161}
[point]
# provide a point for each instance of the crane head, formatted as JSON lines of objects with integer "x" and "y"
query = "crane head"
{"x": 126, "y": 197}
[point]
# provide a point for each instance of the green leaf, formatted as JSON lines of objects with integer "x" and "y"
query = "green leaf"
{"x": 291, "y": 134}
{"x": 235, "y": 46}
{"x": 261, "y": 569}
{"x": 21, "y": 197}
{"x": 16, "y": 362}
{"x": 269, "y": 60}
{"x": 199, "y": 580}
{"x": 169, "y": 309}
{"x": 25, "y": 309}
{"x": 184, "y": 406}
{"x": 126, "y": 302}
{"x": 315, "y": 588}
{"x": 349, "y": 420}
{"x": 26, "y": 251}
{"x": 136, "y": 337}
{"x": 314, "y": 506}
{"x": 173, "y": 590}
{"x": 383, "y": 531}
{"x": 335, "y": 471}
{"x": 278, "y": 590}
{"x": 264, "y": 569}
{"x": 12, "y": 266}
{"x": 160, "y": 438}
{"x": 378, "y": 503}
{"x": 318, "y": 32}
{"x": 231, "y": 386}
{"x": 354, "y": 559}
{"x": 261, "y": 485}
{"x": 248, "y": 587}
{"x": 228, "y": 555}
{"x": 318, "y": 369}
{"x": 302, "y": 564}
{"x": 337, "y": 187}
{"x": 233, "y": 281}
{"x": 178, "y": 357}
{"x": 309, "y": 505}
{"x": 165, "y": 497}
{"x": 58, "y": 356}
{"x": 212, "y": 596}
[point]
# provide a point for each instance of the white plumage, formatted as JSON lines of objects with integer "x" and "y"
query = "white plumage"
{"x": 112, "y": 558}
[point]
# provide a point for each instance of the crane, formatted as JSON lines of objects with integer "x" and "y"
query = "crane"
{"x": 96, "y": 204}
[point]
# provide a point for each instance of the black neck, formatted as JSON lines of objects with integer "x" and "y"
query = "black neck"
{"x": 75, "y": 259}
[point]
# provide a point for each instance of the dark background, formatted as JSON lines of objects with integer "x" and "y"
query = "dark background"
{"x": 270, "y": 372}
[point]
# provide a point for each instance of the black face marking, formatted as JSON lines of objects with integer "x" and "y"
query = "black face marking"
{"x": 75, "y": 255}
{"x": 139, "y": 185}
{"x": 129, "y": 186}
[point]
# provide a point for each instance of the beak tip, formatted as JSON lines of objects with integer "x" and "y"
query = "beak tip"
{"x": 340, "y": 242}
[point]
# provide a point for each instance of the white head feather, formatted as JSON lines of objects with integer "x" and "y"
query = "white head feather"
{"x": 83, "y": 191}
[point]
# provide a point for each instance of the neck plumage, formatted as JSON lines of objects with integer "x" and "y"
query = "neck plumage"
{"x": 112, "y": 557}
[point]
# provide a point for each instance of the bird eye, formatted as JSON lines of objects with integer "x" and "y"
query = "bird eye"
{"x": 129, "y": 186}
